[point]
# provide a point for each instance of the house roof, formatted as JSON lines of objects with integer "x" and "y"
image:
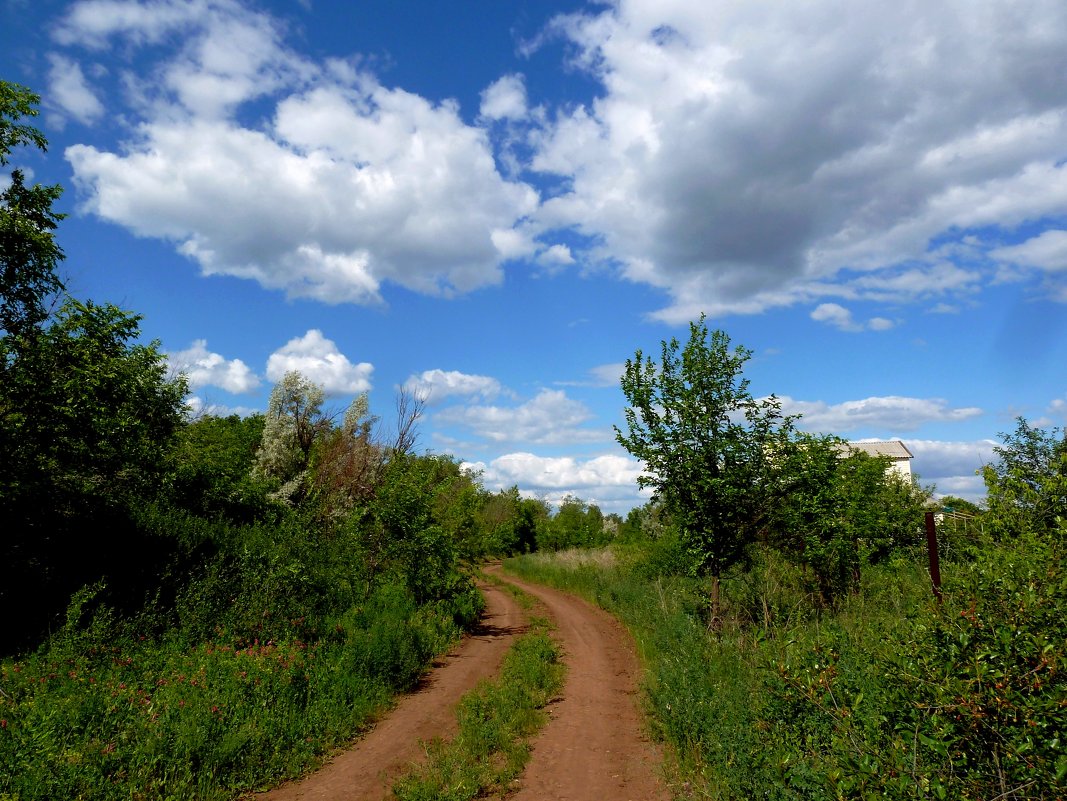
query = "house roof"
{"x": 893, "y": 448}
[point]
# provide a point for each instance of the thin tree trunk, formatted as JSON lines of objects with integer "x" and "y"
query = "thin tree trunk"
{"x": 715, "y": 621}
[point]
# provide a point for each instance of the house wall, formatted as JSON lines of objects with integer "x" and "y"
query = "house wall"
{"x": 902, "y": 467}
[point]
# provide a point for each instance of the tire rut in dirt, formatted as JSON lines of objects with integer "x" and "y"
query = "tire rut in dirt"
{"x": 594, "y": 746}
{"x": 366, "y": 771}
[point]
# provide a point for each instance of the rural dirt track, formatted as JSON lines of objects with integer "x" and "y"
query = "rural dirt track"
{"x": 592, "y": 748}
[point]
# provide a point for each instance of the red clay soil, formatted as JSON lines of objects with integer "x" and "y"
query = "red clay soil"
{"x": 593, "y": 747}
{"x": 366, "y": 771}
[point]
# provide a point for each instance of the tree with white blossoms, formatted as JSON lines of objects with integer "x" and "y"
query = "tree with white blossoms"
{"x": 294, "y": 421}
{"x": 338, "y": 467}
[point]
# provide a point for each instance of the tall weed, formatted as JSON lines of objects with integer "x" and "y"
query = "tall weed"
{"x": 887, "y": 696}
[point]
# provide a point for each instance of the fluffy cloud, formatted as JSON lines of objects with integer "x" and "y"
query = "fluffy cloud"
{"x": 549, "y": 418}
{"x": 1047, "y": 251}
{"x": 319, "y": 360}
{"x": 203, "y": 368}
{"x": 348, "y": 185}
{"x": 738, "y": 156}
{"x": 93, "y": 22}
{"x": 939, "y": 458}
{"x": 199, "y": 407}
{"x": 608, "y": 375}
{"x": 838, "y": 316}
{"x": 745, "y": 155}
{"x": 889, "y": 413}
{"x": 505, "y": 99}
{"x": 436, "y": 385}
{"x": 952, "y": 467}
{"x": 609, "y": 481}
{"x": 68, "y": 89}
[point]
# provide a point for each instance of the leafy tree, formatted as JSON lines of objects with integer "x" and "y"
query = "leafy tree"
{"x": 347, "y": 462}
{"x": 29, "y": 254}
{"x": 399, "y": 534}
{"x": 213, "y": 461}
{"x": 705, "y": 443}
{"x": 812, "y": 521}
{"x": 576, "y": 525}
{"x": 837, "y": 506}
{"x": 1027, "y": 486}
{"x": 293, "y": 423}
{"x": 87, "y": 419}
{"x": 87, "y": 416}
{"x": 511, "y": 523}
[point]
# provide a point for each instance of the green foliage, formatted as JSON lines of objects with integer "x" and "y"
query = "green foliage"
{"x": 836, "y": 507}
{"x": 953, "y": 504}
{"x": 110, "y": 716}
{"x": 704, "y": 441}
{"x": 576, "y": 525}
{"x": 215, "y": 638}
{"x": 29, "y": 254}
{"x": 887, "y": 696}
{"x": 346, "y": 464}
{"x": 212, "y": 469}
{"x": 293, "y": 423}
{"x": 1027, "y": 485}
{"x": 87, "y": 418}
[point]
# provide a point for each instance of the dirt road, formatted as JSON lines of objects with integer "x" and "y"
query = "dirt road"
{"x": 592, "y": 748}
{"x": 366, "y": 771}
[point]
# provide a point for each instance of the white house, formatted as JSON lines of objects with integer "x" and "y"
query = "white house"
{"x": 895, "y": 449}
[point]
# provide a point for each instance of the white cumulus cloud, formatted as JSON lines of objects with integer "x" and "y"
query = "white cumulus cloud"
{"x": 745, "y": 155}
{"x": 318, "y": 359}
{"x": 203, "y": 368}
{"x": 952, "y": 467}
{"x": 548, "y": 418}
{"x": 348, "y": 184}
{"x": 609, "y": 481}
{"x": 1047, "y": 251}
{"x": 889, "y": 413}
{"x": 505, "y": 99}
{"x": 436, "y": 385}
{"x": 841, "y": 318}
{"x": 68, "y": 89}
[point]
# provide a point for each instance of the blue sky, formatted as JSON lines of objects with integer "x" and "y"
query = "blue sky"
{"x": 497, "y": 203}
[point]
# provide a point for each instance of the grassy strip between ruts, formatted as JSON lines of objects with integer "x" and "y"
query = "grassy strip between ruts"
{"x": 497, "y": 719}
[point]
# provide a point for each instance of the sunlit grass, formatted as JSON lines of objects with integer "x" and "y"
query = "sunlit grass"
{"x": 496, "y": 722}
{"x": 890, "y": 695}
{"x": 143, "y": 718}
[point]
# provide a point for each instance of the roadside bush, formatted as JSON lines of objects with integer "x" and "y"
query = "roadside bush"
{"x": 888, "y": 696}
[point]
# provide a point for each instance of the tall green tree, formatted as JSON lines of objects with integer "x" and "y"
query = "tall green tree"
{"x": 87, "y": 415}
{"x": 87, "y": 420}
{"x": 837, "y": 506}
{"x": 1026, "y": 487}
{"x": 294, "y": 422}
{"x": 706, "y": 444}
{"x": 29, "y": 254}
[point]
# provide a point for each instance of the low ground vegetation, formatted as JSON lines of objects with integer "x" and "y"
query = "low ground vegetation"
{"x": 497, "y": 721}
{"x": 886, "y": 695}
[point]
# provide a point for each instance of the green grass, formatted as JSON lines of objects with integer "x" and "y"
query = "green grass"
{"x": 105, "y": 716}
{"x": 496, "y": 722}
{"x": 888, "y": 696}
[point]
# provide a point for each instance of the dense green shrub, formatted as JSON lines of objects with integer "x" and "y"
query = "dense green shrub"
{"x": 888, "y": 696}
